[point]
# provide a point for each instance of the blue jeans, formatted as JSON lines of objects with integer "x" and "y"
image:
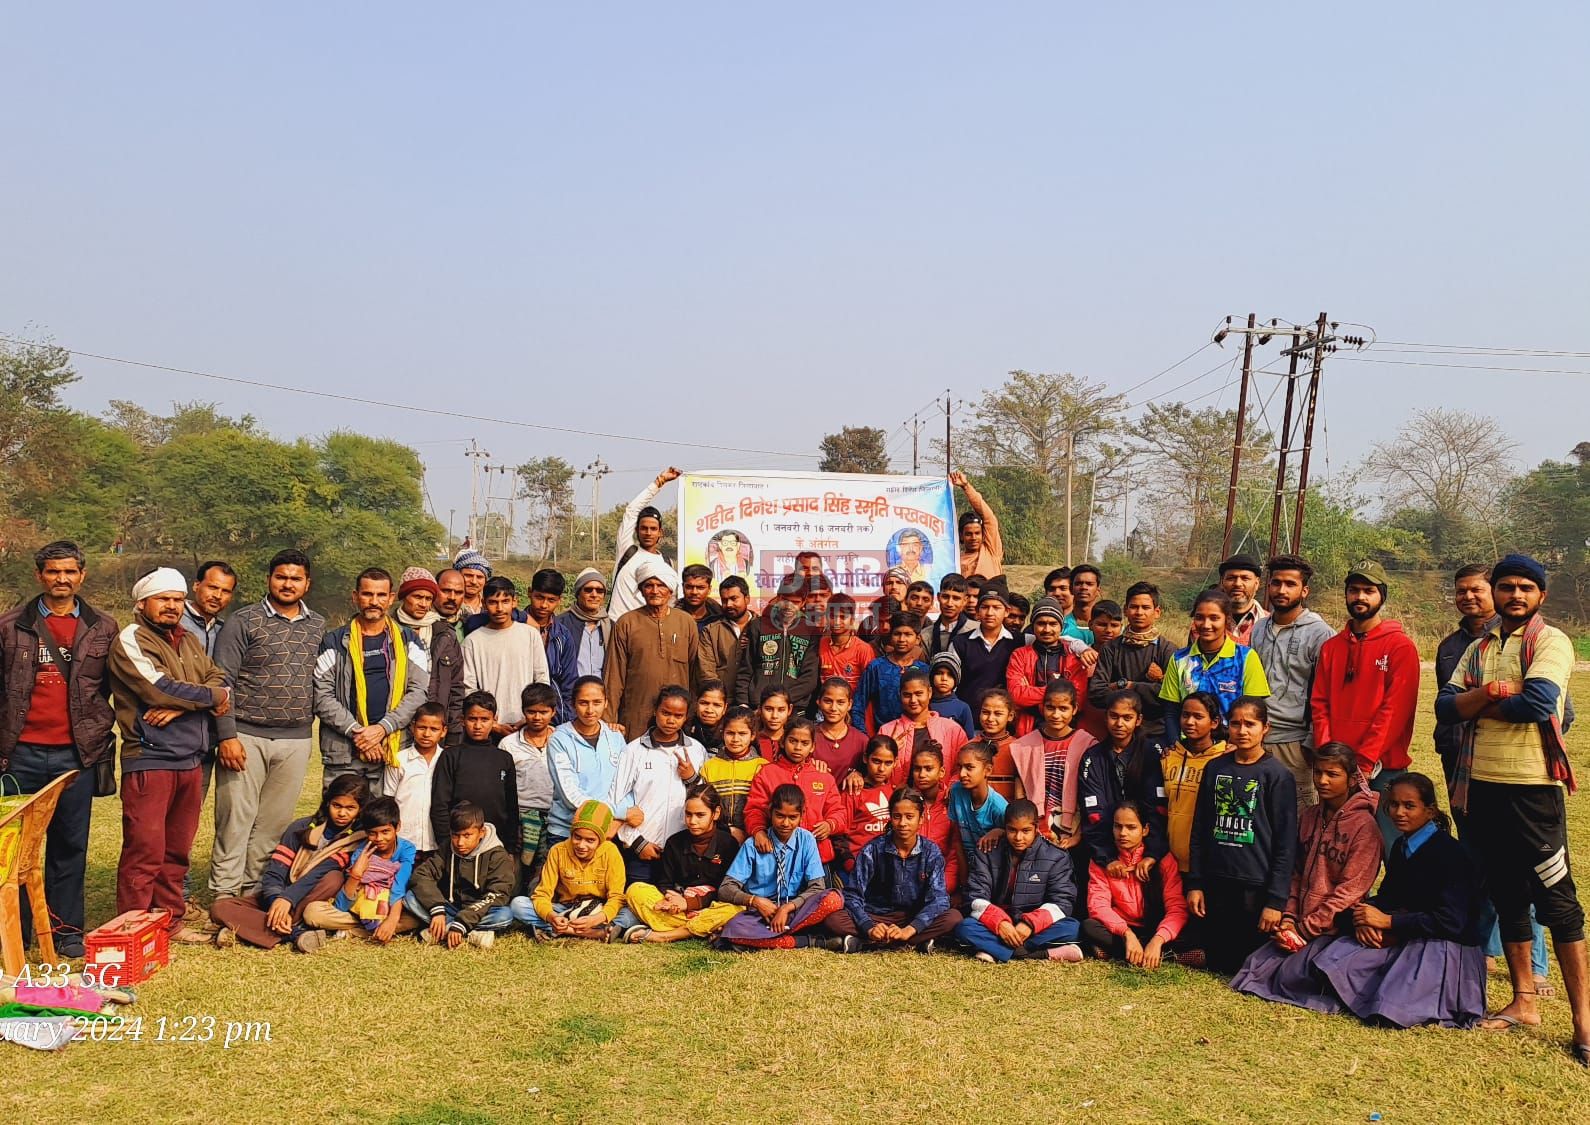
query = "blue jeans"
{"x": 1538, "y": 965}
{"x": 983, "y": 940}
{"x": 1381, "y": 783}
{"x": 497, "y": 918}
{"x": 525, "y": 914}
{"x": 65, "y": 841}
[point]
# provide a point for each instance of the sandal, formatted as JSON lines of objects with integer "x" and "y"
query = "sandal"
{"x": 1545, "y": 989}
{"x": 1581, "y": 1053}
{"x": 1508, "y": 1022}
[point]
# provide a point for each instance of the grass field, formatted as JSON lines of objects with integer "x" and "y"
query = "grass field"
{"x": 676, "y": 1033}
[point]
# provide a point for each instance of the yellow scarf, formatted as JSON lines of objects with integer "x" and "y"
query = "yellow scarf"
{"x": 400, "y": 672}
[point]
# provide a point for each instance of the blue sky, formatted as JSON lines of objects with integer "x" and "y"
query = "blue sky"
{"x": 747, "y": 226}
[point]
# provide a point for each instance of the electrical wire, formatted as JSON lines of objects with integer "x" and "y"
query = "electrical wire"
{"x": 362, "y": 400}
{"x": 1463, "y": 366}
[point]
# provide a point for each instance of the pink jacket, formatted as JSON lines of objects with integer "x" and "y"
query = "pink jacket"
{"x": 946, "y": 732}
{"x": 1338, "y": 857}
{"x": 1119, "y": 905}
{"x": 1028, "y": 753}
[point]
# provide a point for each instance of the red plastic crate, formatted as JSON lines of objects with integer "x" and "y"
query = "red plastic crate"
{"x": 128, "y": 948}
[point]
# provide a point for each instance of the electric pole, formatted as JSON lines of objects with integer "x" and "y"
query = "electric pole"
{"x": 947, "y": 411}
{"x": 1236, "y": 445}
{"x": 916, "y": 431}
{"x": 596, "y": 470}
{"x": 1071, "y": 457}
{"x": 1286, "y": 443}
{"x": 1321, "y": 341}
{"x": 474, "y": 453}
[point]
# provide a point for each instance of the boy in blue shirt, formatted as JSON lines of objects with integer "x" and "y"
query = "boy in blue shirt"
{"x": 371, "y": 899}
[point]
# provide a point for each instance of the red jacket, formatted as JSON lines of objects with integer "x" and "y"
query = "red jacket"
{"x": 867, "y": 816}
{"x": 1366, "y": 690}
{"x": 938, "y": 827}
{"x": 1026, "y": 689}
{"x": 823, "y": 799}
{"x": 1118, "y": 903}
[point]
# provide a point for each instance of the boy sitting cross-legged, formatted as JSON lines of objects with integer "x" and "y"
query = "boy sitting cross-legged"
{"x": 463, "y": 890}
{"x": 371, "y": 899}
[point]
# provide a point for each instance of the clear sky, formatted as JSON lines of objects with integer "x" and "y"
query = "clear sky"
{"x": 751, "y": 224}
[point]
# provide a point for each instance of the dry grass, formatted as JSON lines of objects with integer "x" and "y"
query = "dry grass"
{"x": 676, "y": 1033}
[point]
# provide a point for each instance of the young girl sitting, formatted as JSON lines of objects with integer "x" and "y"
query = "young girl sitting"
{"x": 1244, "y": 840}
{"x": 1021, "y": 894}
{"x": 772, "y": 714}
{"x": 783, "y": 889}
{"x": 839, "y": 745}
{"x": 309, "y": 865}
{"x": 994, "y": 717}
{"x": 712, "y": 700}
{"x": 1410, "y": 954}
{"x": 1126, "y": 766}
{"x": 1129, "y": 918}
{"x": 867, "y": 802}
{"x": 895, "y": 896}
{"x": 1203, "y": 739}
{"x": 683, "y": 902}
{"x": 731, "y": 768}
{"x": 823, "y": 808}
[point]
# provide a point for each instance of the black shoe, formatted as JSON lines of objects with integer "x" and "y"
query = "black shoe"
{"x": 928, "y": 946}
{"x": 835, "y": 944}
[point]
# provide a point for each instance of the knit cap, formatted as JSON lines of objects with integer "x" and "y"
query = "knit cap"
{"x": 417, "y": 578}
{"x": 1519, "y": 566}
{"x": 595, "y": 816}
{"x": 899, "y": 572}
{"x": 1048, "y": 607}
{"x": 472, "y": 560}
{"x": 950, "y": 659}
{"x": 586, "y": 577}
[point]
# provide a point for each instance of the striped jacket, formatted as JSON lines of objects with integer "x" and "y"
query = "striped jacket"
{"x": 151, "y": 667}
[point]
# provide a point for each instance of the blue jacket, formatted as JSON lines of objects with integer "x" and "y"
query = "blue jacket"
{"x": 404, "y": 856}
{"x": 580, "y": 774}
{"x": 1043, "y": 878}
{"x": 883, "y": 881}
{"x": 880, "y": 686}
{"x": 562, "y": 649}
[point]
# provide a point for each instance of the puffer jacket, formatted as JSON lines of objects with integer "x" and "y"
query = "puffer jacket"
{"x": 1043, "y": 891}
{"x": 88, "y": 686}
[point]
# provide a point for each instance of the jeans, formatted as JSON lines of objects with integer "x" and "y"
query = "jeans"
{"x": 525, "y": 914}
{"x": 65, "y": 841}
{"x": 983, "y": 940}
{"x": 497, "y": 918}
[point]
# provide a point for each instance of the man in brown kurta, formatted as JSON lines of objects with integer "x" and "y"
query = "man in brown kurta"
{"x": 650, "y": 648}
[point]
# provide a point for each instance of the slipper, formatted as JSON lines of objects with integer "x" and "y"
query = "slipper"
{"x": 1545, "y": 989}
{"x": 635, "y": 934}
{"x": 1508, "y": 1022}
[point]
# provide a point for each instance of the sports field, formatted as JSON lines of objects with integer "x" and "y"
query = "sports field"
{"x": 675, "y": 1033}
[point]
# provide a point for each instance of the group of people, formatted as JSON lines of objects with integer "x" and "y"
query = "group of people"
{"x": 956, "y": 768}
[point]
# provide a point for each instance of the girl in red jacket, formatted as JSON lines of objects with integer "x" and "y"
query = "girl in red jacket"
{"x": 927, "y": 777}
{"x": 867, "y": 803}
{"x": 823, "y": 814}
{"x": 1131, "y": 919}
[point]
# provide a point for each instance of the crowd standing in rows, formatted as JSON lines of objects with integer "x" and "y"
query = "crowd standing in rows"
{"x": 944, "y": 769}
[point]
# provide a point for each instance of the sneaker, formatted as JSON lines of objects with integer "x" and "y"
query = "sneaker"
{"x": 987, "y": 958}
{"x": 636, "y": 934}
{"x": 1070, "y": 954}
{"x": 310, "y": 940}
{"x": 187, "y": 935}
{"x": 928, "y": 946}
{"x": 481, "y": 939}
{"x": 225, "y": 938}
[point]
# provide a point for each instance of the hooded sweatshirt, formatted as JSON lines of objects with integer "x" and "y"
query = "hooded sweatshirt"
{"x": 472, "y": 884}
{"x": 778, "y": 649}
{"x": 1289, "y": 654}
{"x": 1338, "y": 859}
{"x": 1365, "y": 692}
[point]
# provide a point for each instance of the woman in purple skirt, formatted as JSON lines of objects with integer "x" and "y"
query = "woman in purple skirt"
{"x": 1409, "y": 955}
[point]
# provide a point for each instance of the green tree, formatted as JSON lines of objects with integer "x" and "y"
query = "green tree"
{"x": 1189, "y": 452}
{"x": 855, "y": 449}
{"x": 548, "y": 483}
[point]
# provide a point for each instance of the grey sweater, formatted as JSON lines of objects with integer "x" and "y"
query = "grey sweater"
{"x": 271, "y": 662}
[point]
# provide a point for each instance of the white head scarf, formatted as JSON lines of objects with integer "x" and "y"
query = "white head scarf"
{"x": 649, "y": 566}
{"x": 165, "y": 580}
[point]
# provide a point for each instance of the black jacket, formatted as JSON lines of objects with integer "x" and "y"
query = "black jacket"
{"x": 472, "y": 884}
{"x": 778, "y": 654}
{"x": 1434, "y": 893}
{"x": 1129, "y": 663}
{"x": 681, "y": 869}
{"x": 1106, "y": 778}
{"x": 483, "y": 773}
{"x": 1043, "y": 875}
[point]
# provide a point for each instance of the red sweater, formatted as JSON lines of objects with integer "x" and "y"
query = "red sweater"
{"x": 1118, "y": 903}
{"x": 823, "y": 799}
{"x": 938, "y": 827}
{"x": 1366, "y": 690}
{"x": 842, "y": 756}
{"x": 1026, "y": 688}
{"x": 866, "y": 815}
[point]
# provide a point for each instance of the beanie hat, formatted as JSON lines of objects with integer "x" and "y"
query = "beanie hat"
{"x": 417, "y": 578}
{"x": 1519, "y": 566}
{"x": 472, "y": 560}
{"x": 899, "y": 572}
{"x": 161, "y": 580}
{"x": 1048, "y": 607}
{"x": 950, "y": 659}
{"x": 995, "y": 592}
{"x": 594, "y": 815}
{"x": 586, "y": 577}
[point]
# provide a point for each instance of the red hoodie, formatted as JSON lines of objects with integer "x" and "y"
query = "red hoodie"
{"x": 1366, "y": 690}
{"x": 823, "y": 799}
{"x": 866, "y": 815}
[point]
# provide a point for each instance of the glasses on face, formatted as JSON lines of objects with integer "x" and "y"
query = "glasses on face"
{"x": 594, "y": 590}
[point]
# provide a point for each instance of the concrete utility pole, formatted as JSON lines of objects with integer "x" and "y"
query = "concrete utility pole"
{"x": 1071, "y": 457}
{"x": 1279, "y": 501}
{"x": 948, "y": 410}
{"x": 596, "y": 470}
{"x": 474, "y": 453}
{"x": 1236, "y": 445}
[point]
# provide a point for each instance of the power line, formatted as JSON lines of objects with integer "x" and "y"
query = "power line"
{"x": 1167, "y": 371}
{"x": 1464, "y": 366}
{"x": 1477, "y": 349}
{"x": 362, "y": 400}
